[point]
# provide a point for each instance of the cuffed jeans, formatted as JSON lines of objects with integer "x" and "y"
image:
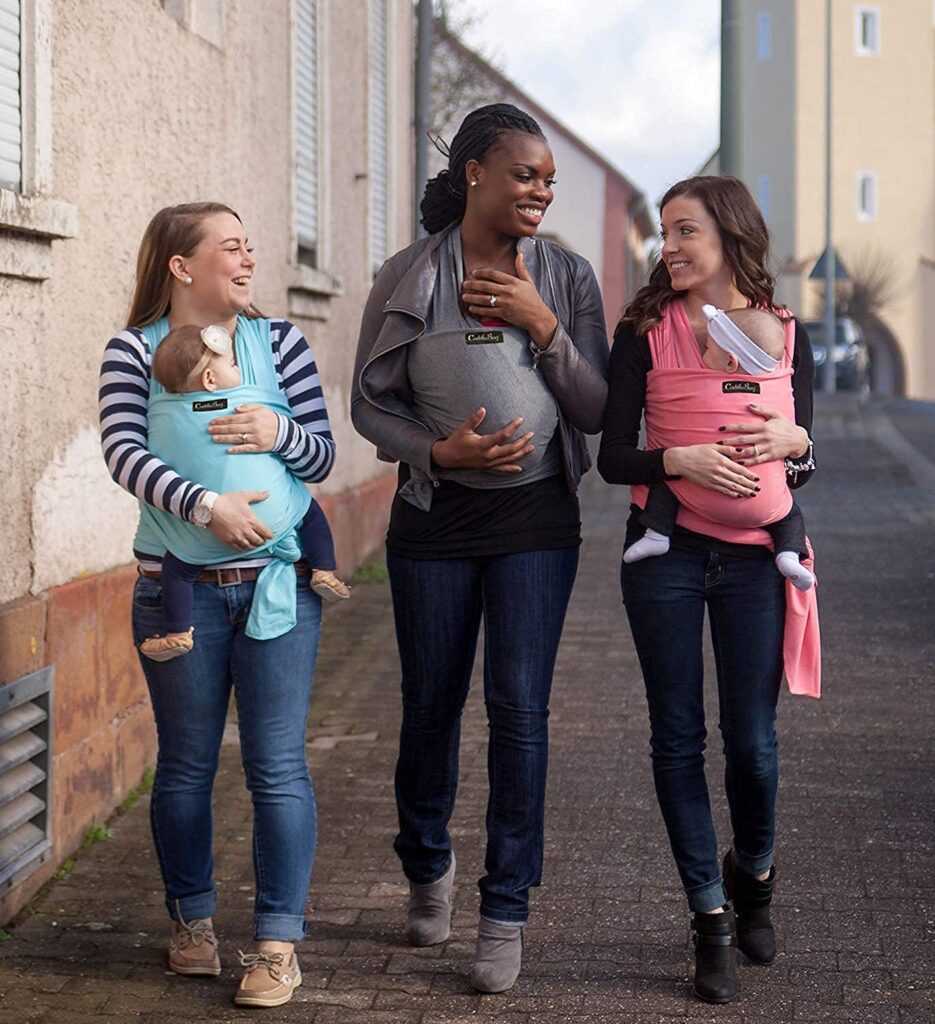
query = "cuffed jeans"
{"x": 272, "y": 682}
{"x": 438, "y": 606}
{"x": 665, "y": 599}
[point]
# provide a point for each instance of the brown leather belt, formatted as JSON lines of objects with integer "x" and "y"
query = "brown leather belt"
{"x": 225, "y": 577}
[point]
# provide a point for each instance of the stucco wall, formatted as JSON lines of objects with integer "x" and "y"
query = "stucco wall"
{"x": 146, "y": 113}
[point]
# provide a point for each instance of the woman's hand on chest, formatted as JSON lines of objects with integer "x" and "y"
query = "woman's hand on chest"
{"x": 490, "y": 292}
{"x": 252, "y": 429}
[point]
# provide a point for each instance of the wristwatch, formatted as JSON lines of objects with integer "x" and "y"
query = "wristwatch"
{"x": 203, "y": 512}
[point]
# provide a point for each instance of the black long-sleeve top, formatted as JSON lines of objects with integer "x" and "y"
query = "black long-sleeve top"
{"x": 621, "y": 460}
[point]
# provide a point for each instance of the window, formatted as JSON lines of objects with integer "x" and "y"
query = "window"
{"x": 379, "y": 124}
{"x": 764, "y": 35}
{"x": 867, "y": 31}
{"x": 866, "y": 196}
{"x": 11, "y": 106}
{"x": 306, "y": 132}
{"x": 30, "y": 215}
{"x": 762, "y": 195}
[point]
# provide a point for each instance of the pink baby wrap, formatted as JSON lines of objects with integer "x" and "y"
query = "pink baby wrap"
{"x": 685, "y": 404}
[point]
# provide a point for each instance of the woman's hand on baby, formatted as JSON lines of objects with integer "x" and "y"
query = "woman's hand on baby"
{"x": 464, "y": 448}
{"x": 518, "y": 301}
{"x": 774, "y": 438}
{"x": 233, "y": 521}
{"x": 708, "y": 466}
{"x": 252, "y": 428}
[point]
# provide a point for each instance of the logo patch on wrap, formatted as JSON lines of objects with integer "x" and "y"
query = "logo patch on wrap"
{"x": 214, "y": 405}
{"x": 484, "y": 337}
{"x": 746, "y": 387}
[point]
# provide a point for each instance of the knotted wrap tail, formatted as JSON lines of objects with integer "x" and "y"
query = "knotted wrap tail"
{"x": 801, "y": 638}
{"x": 272, "y": 611}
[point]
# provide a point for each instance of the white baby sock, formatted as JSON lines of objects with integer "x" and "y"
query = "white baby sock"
{"x": 787, "y": 562}
{"x": 650, "y": 544}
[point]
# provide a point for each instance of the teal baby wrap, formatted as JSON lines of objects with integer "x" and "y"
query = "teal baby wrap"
{"x": 178, "y": 434}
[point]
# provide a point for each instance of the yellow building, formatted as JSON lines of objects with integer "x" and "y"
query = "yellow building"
{"x": 883, "y": 137}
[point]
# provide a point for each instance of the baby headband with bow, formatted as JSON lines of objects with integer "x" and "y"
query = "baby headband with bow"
{"x": 217, "y": 341}
{"x": 731, "y": 338}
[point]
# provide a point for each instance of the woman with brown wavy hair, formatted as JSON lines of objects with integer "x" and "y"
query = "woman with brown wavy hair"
{"x": 715, "y": 251}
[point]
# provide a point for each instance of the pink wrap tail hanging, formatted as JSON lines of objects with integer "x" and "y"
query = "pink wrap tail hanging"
{"x": 685, "y": 404}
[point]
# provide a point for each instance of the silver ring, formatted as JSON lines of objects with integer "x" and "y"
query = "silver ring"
{"x": 756, "y": 452}
{"x": 244, "y": 438}
{"x": 493, "y": 300}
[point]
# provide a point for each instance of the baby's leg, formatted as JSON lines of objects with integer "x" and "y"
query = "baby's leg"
{"x": 659, "y": 515}
{"x": 788, "y": 536}
{"x": 178, "y": 580}
{"x": 318, "y": 547}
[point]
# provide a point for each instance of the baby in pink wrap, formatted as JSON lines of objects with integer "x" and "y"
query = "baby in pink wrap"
{"x": 759, "y": 340}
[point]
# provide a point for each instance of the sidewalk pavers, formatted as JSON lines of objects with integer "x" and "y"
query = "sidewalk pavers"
{"x": 608, "y": 938}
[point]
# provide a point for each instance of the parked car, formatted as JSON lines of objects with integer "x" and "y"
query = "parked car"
{"x": 851, "y": 356}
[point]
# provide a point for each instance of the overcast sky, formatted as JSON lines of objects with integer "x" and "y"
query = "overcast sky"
{"x": 636, "y": 79}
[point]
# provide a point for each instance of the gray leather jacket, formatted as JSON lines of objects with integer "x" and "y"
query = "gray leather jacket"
{"x": 574, "y": 365}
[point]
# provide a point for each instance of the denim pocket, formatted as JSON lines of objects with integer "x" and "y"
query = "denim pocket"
{"x": 147, "y": 593}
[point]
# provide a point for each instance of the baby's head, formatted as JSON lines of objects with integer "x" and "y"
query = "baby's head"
{"x": 192, "y": 359}
{"x": 760, "y": 327}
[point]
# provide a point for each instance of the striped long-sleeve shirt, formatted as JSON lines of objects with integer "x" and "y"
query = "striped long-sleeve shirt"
{"x": 304, "y": 441}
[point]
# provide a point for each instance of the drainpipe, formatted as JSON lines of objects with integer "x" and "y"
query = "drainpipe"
{"x": 423, "y": 104}
{"x": 729, "y": 147}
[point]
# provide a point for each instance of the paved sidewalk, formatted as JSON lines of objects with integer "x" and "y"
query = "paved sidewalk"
{"x": 608, "y": 941}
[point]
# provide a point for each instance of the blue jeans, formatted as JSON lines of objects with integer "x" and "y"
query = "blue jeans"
{"x": 665, "y": 598}
{"x": 438, "y": 606}
{"x": 272, "y": 682}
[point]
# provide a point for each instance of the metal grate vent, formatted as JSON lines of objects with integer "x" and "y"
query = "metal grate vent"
{"x": 25, "y": 760}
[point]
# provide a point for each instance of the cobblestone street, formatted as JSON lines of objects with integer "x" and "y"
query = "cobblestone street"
{"x": 608, "y": 937}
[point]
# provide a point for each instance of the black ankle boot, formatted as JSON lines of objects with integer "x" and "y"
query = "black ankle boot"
{"x": 715, "y": 938}
{"x": 751, "y": 898}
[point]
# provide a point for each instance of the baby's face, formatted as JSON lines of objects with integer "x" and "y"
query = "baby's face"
{"x": 714, "y": 357}
{"x": 226, "y": 371}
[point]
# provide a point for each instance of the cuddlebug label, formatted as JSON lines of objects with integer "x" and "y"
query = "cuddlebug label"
{"x": 746, "y": 387}
{"x": 214, "y": 405}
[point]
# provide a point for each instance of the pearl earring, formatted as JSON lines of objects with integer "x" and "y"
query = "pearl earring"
{"x": 473, "y": 184}
{"x": 188, "y": 280}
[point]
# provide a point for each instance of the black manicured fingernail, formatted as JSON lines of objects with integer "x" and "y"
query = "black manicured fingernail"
{"x": 738, "y": 450}
{"x": 756, "y": 488}
{"x": 722, "y": 429}
{"x": 757, "y": 479}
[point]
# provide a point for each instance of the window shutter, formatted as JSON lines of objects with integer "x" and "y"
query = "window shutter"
{"x": 306, "y": 129}
{"x": 379, "y": 123}
{"x": 11, "y": 125}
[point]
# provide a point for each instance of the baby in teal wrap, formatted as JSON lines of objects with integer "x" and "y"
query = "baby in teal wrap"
{"x": 190, "y": 360}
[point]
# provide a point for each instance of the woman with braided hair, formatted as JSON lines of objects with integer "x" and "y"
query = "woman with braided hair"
{"x": 481, "y": 364}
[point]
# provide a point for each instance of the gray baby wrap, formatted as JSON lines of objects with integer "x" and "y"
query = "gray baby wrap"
{"x": 458, "y": 365}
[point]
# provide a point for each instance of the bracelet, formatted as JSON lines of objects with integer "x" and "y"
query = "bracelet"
{"x": 805, "y": 463}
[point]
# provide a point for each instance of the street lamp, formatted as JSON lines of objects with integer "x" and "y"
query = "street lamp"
{"x": 828, "y": 376}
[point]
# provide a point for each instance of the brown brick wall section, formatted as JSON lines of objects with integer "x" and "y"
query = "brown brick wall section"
{"x": 104, "y": 736}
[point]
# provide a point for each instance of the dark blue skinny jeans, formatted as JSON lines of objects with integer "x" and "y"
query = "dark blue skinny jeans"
{"x": 665, "y": 599}
{"x": 272, "y": 681}
{"x": 438, "y": 606}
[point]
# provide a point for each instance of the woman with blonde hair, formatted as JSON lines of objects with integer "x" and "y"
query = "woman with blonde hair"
{"x": 195, "y": 267}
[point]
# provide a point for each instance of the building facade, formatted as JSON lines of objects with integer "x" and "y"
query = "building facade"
{"x": 883, "y": 140}
{"x": 298, "y": 115}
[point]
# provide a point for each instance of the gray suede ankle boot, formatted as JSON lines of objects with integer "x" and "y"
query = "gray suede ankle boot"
{"x": 428, "y": 920}
{"x": 499, "y": 956}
